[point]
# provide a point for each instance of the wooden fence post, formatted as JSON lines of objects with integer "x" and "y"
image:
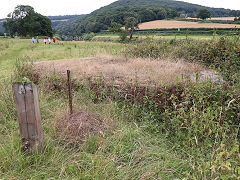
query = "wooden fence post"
{"x": 28, "y": 111}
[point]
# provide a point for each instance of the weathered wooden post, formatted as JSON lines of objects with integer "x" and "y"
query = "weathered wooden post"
{"x": 28, "y": 111}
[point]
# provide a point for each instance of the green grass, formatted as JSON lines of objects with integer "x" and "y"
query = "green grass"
{"x": 64, "y": 50}
{"x": 126, "y": 150}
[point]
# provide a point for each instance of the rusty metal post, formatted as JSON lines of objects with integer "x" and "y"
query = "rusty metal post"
{"x": 69, "y": 92}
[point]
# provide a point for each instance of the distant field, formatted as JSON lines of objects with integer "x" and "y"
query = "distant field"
{"x": 159, "y": 24}
{"x": 60, "y": 20}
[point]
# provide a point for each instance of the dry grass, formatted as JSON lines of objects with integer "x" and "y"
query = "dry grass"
{"x": 119, "y": 70}
{"x": 158, "y": 24}
{"x": 77, "y": 127}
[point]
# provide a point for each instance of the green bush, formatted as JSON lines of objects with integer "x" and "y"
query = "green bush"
{"x": 88, "y": 36}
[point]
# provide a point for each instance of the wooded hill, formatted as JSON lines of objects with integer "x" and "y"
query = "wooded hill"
{"x": 143, "y": 10}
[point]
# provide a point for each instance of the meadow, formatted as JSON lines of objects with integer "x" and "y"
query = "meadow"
{"x": 152, "y": 130}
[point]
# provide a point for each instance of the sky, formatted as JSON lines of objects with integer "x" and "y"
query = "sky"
{"x": 71, "y": 7}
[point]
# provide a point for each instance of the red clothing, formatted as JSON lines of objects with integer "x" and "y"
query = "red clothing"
{"x": 54, "y": 39}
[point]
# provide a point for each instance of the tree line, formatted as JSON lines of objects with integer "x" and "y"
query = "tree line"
{"x": 25, "y": 21}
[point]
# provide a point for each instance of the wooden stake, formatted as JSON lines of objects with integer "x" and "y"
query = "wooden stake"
{"x": 28, "y": 111}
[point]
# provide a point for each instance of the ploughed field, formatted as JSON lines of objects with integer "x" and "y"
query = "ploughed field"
{"x": 169, "y": 24}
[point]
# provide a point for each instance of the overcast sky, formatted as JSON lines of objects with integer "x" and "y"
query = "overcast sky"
{"x": 70, "y": 7}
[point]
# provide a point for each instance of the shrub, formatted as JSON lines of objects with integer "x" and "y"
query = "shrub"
{"x": 88, "y": 36}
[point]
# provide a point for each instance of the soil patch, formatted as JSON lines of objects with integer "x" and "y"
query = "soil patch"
{"x": 79, "y": 126}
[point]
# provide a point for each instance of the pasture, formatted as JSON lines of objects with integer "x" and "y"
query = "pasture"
{"x": 156, "y": 123}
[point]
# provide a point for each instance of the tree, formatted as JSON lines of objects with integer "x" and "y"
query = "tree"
{"x": 115, "y": 27}
{"x": 25, "y": 21}
{"x": 172, "y": 13}
{"x": 161, "y": 13}
{"x": 203, "y": 14}
{"x": 147, "y": 15}
{"x": 131, "y": 24}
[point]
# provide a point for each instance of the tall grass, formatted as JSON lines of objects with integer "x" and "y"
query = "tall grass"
{"x": 202, "y": 119}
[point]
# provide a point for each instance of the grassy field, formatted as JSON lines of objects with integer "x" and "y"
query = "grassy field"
{"x": 183, "y": 131}
{"x": 125, "y": 151}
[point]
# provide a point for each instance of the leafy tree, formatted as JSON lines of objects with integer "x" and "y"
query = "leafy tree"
{"x": 147, "y": 15}
{"x": 203, "y": 14}
{"x": 161, "y": 13}
{"x": 235, "y": 13}
{"x": 25, "y": 21}
{"x": 115, "y": 27}
{"x": 131, "y": 24}
{"x": 172, "y": 13}
{"x": 93, "y": 27}
{"x": 11, "y": 26}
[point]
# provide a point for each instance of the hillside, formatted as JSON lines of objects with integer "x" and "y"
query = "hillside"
{"x": 180, "y": 6}
{"x": 143, "y": 10}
